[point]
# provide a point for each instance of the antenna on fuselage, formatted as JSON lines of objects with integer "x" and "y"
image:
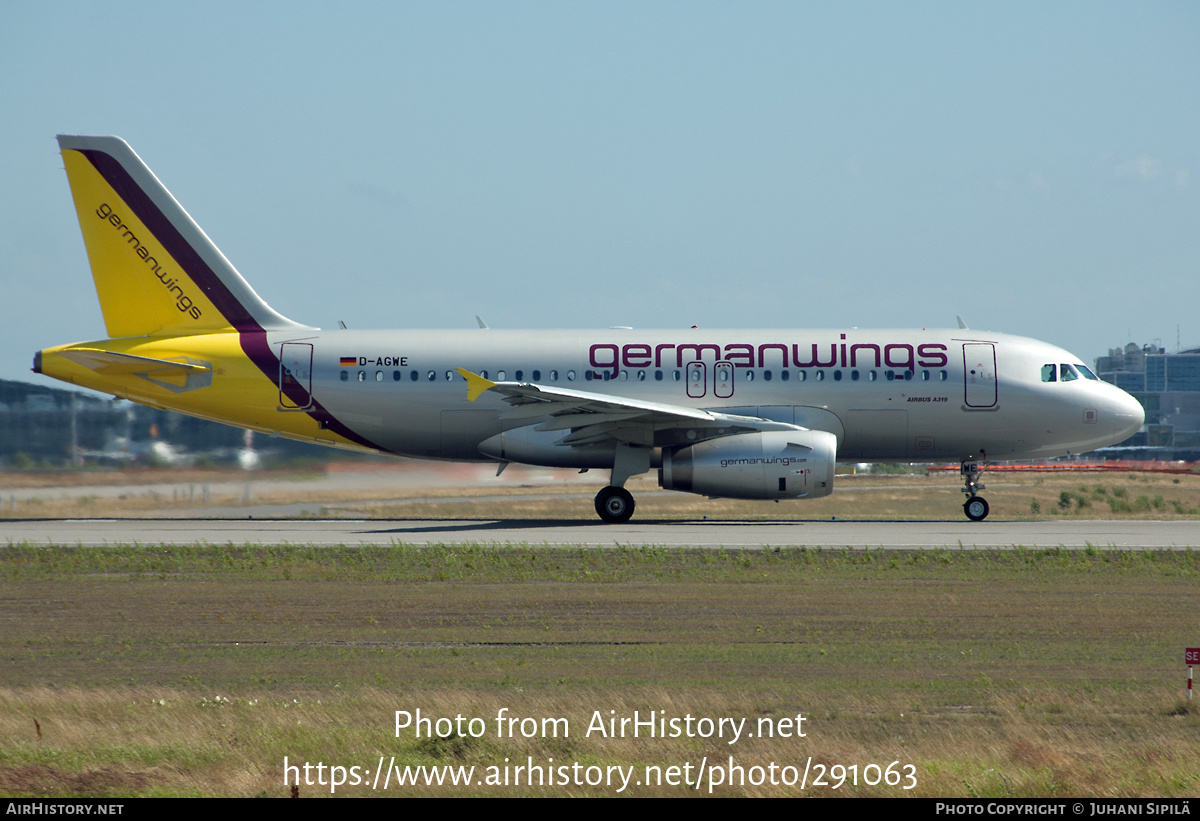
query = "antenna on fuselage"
{"x": 961, "y": 325}
{"x": 483, "y": 325}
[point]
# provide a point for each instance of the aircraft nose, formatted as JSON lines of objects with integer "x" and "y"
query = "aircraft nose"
{"x": 1128, "y": 415}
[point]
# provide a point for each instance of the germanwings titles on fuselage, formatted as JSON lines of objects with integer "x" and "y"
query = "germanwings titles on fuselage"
{"x": 757, "y": 415}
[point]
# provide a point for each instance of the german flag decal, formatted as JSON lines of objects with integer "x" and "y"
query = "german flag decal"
{"x": 349, "y": 361}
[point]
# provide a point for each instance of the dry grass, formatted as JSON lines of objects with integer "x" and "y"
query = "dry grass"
{"x": 1007, "y": 673}
{"x": 858, "y": 497}
{"x": 1029, "y": 496}
{"x": 166, "y": 741}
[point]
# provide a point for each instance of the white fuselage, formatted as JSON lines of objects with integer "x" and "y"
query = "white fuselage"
{"x": 929, "y": 395}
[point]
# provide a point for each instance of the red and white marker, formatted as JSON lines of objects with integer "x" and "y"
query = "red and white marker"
{"x": 1191, "y": 656}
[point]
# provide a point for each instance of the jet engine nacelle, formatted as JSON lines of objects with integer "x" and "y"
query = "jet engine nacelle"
{"x": 771, "y": 465}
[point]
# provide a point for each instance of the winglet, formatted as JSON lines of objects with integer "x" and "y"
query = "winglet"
{"x": 476, "y": 384}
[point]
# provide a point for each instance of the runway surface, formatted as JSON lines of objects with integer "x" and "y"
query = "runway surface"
{"x": 1139, "y": 535}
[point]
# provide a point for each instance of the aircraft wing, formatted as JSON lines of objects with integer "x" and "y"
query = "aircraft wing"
{"x": 596, "y": 417}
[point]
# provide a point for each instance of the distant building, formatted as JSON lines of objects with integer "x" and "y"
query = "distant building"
{"x": 1168, "y": 386}
{"x": 41, "y": 426}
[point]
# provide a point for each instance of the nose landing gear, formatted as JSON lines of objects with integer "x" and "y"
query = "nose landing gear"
{"x": 976, "y": 507}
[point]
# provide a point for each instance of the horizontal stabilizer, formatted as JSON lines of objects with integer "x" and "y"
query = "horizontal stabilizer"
{"x": 111, "y": 363}
{"x": 176, "y": 375}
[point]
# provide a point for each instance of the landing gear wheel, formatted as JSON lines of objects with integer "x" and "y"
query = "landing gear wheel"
{"x": 976, "y": 509}
{"x": 614, "y": 504}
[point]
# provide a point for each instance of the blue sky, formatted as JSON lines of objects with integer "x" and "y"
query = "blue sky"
{"x": 1033, "y": 167}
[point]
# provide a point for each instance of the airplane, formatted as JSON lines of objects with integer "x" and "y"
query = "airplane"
{"x": 763, "y": 414}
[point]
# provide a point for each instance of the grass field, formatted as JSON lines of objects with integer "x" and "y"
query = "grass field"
{"x": 195, "y": 671}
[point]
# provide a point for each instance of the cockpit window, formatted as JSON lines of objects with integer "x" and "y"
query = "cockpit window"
{"x": 1066, "y": 373}
{"x": 1049, "y": 373}
{"x": 1087, "y": 372}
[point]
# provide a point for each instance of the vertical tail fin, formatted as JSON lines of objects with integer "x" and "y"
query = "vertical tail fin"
{"x": 155, "y": 270}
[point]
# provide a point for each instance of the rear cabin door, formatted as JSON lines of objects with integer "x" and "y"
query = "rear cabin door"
{"x": 295, "y": 376}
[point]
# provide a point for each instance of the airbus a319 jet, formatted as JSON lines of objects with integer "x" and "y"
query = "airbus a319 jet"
{"x": 760, "y": 414}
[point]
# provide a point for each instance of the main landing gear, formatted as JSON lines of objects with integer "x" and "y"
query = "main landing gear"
{"x": 614, "y": 504}
{"x": 976, "y": 507}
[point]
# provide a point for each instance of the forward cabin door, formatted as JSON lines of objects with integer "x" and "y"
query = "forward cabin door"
{"x": 979, "y": 372}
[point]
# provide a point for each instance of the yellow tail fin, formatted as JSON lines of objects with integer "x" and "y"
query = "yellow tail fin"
{"x": 155, "y": 271}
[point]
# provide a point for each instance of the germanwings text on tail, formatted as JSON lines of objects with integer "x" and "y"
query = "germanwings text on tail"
{"x": 734, "y": 413}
